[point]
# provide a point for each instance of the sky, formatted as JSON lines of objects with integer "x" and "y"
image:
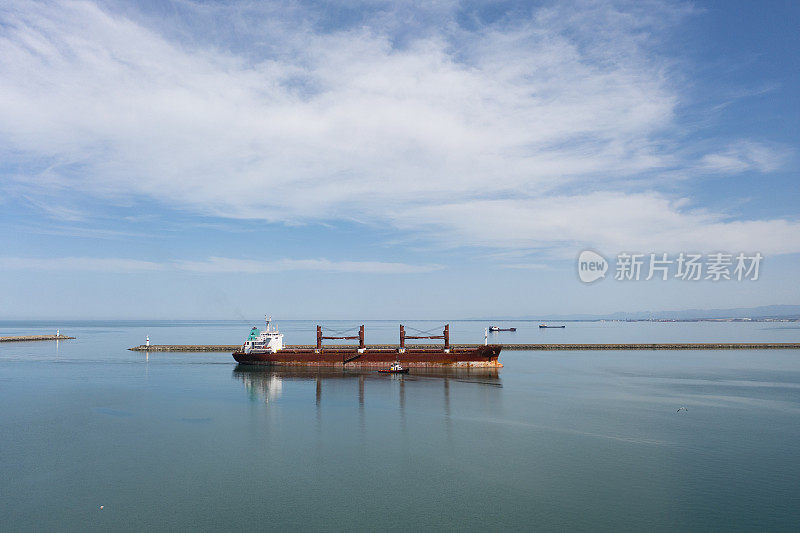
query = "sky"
{"x": 365, "y": 160}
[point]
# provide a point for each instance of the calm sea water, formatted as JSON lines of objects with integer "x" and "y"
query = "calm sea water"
{"x": 553, "y": 441}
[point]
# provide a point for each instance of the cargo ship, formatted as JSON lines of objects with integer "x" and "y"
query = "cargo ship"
{"x": 266, "y": 348}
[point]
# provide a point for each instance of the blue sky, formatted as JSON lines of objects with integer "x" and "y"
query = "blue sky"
{"x": 390, "y": 160}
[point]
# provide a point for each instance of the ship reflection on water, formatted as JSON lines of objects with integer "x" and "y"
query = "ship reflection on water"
{"x": 268, "y": 383}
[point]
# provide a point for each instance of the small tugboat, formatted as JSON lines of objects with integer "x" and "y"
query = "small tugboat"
{"x": 552, "y": 327}
{"x": 394, "y": 369}
{"x": 497, "y": 328}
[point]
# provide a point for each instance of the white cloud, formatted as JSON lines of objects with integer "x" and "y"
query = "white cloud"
{"x": 745, "y": 156}
{"x": 213, "y": 265}
{"x": 228, "y": 265}
{"x": 526, "y": 266}
{"x": 81, "y": 264}
{"x": 610, "y": 222}
{"x": 474, "y": 133}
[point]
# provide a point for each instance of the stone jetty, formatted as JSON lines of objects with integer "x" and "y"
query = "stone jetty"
{"x": 506, "y": 347}
{"x": 24, "y": 338}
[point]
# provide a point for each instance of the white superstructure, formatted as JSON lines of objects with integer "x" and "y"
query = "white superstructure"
{"x": 270, "y": 340}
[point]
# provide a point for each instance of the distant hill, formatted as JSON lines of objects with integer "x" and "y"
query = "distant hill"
{"x": 756, "y": 313}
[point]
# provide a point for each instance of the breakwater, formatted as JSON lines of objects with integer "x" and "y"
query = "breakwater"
{"x": 661, "y": 346}
{"x": 186, "y": 348}
{"x": 533, "y": 347}
{"x": 25, "y": 338}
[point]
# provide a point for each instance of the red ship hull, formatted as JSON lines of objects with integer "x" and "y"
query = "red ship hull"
{"x": 481, "y": 356}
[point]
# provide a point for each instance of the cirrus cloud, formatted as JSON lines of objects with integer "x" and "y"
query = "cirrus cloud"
{"x": 527, "y": 132}
{"x": 212, "y": 265}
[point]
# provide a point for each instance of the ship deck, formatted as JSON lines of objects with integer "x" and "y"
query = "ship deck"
{"x": 480, "y": 356}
